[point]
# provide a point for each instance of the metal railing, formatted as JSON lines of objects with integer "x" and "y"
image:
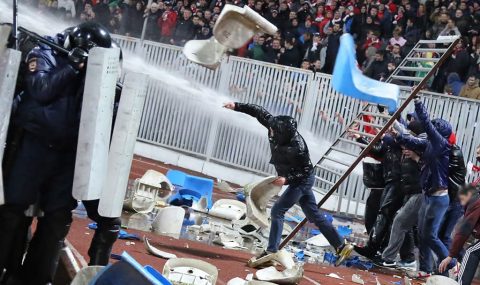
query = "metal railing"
{"x": 181, "y": 125}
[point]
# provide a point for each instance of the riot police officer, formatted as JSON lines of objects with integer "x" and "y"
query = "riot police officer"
{"x": 42, "y": 171}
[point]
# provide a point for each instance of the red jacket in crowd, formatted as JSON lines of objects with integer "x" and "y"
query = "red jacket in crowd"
{"x": 167, "y": 22}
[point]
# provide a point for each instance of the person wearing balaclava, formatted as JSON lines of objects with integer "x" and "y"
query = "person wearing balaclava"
{"x": 291, "y": 159}
{"x": 435, "y": 158}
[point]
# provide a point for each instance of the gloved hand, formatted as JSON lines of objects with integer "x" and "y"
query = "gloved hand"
{"x": 78, "y": 58}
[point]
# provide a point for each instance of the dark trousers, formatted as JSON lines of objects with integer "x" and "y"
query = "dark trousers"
{"x": 372, "y": 208}
{"x": 429, "y": 222}
{"x": 39, "y": 174}
{"x": 453, "y": 214}
{"x": 391, "y": 202}
{"x": 105, "y": 235}
{"x": 469, "y": 265}
{"x": 303, "y": 195}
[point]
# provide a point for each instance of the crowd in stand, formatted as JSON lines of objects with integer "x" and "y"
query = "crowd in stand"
{"x": 309, "y": 32}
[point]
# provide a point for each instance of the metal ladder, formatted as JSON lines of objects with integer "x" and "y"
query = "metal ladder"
{"x": 346, "y": 153}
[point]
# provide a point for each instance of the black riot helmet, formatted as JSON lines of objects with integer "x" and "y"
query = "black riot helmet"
{"x": 88, "y": 35}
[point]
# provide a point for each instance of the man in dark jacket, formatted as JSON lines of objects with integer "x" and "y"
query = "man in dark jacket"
{"x": 379, "y": 67}
{"x": 333, "y": 44}
{"x": 291, "y": 159}
{"x": 435, "y": 158}
{"x": 389, "y": 152}
{"x": 290, "y": 56}
{"x": 469, "y": 225}
{"x": 401, "y": 235}
{"x": 184, "y": 30}
{"x": 457, "y": 171}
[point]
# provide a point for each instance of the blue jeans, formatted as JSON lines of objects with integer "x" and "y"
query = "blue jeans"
{"x": 429, "y": 222}
{"x": 303, "y": 195}
{"x": 453, "y": 214}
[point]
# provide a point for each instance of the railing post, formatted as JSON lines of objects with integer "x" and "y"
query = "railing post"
{"x": 309, "y": 104}
{"x": 225, "y": 72}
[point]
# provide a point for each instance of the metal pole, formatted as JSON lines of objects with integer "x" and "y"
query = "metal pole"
{"x": 364, "y": 153}
{"x": 144, "y": 30}
{"x": 15, "y": 23}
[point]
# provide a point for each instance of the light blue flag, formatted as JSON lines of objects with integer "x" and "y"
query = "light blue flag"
{"x": 349, "y": 80}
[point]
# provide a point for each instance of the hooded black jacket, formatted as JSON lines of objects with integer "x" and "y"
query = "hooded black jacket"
{"x": 290, "y": 154}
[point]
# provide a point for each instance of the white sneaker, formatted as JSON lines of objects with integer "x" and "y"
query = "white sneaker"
{"x": 411, "y": 266}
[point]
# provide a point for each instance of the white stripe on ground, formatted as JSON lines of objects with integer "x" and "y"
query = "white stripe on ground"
{"x": 311, "y": 280}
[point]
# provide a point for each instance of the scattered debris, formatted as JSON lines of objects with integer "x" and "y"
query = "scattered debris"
{"x": 357, "y": 279}
{"x": 151, "y": 188}
{"x": 283, "y": 257}
{"x": 240, "y": 281}
{"x": 228, "y": 209}
{"x": 406, "y": 280}
{"x": 229, "y": 241}
{"x": 287, "y": 276}
{"x": 169, "y": 221}
{"x": 155, "y": 251}
{"x": 225, "y": 187}
{"x": 86, "y": 274}
{"x": 440, "y": 280}
{"x": 190, "y": 271}
{"x": 258, "y": 196}
{"x": 334, "y": 275}
{"x": 318, "y": 240}
{"x": 378, "y": 282}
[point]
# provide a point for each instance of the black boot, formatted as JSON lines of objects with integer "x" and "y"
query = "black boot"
{"x": 43, "y": 253}
{"x": 101, "y": 246}
{"x": 13, "y": 240}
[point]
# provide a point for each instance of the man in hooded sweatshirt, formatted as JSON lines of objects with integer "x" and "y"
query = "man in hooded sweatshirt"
{"x": 291, "y": 159}
{"x": 435, "y": 159}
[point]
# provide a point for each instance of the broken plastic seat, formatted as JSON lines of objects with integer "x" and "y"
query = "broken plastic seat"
{"x": 257, "y": 199}
{"x": 190, "y": 271}
{"x": 152, "y": 187}
{"x": 287, "y": 276}
{"x": 176, "y": 177}
{"x": 127, "y": 271}
{"x": 193, "y": 190}
{"x": 234, "y": 28}
{"x": 169, "y": 221}
{"x": 228, "y": 209}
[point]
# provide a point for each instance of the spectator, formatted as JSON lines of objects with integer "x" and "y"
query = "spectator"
{"x": 471, "y": 89}
{"x": 184, "y": 30}
{"x": 317, "y": 66}
{"x": 313, "y": 51}
{"x": 440, "y": 24}
{"x": 455, "y": 85}
{"x": 257, "y": 51}
{"x": 395, "y": 55}
{"x": 152, "y": 14}
{"x": 450, "y": 29}
{"x": 379, "y": 67}
{"x": 272, "y": 51}
{"x": 333, "y": 44}
{"x": 167, "y": 23}
{"x": 397, "y": 38}
{"x": 289, "y": 55}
